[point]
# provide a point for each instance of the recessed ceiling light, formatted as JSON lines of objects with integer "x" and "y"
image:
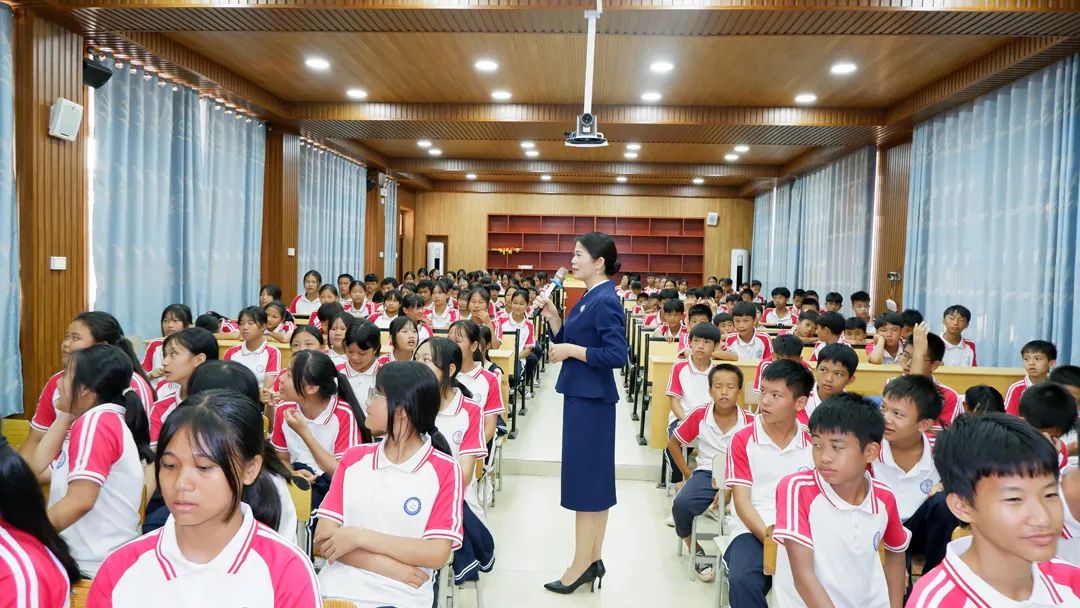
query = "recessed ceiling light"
{"x": 633, "y": 147}
{"x": 731, "y": 157}
{"x": 434, "y": 152}
{"x": 699, "y": 180}
{"x": 528, "y": 145}
{"x": 651, "y": 96}
{"x": 621, "y": 179}
{"x": 317, "y": 63}
{"x": 805, "y": 98}
{"x": 742, "y": 148}
{"x": 532, "y": 153}
{"x": 356, "y": 93}
{"x": 661, "y": 67}
{"x": 486, "y": 65}
{"x": 470, "y": 176}
{"x": 500, "y": 95}
{"x": 843, "y": 68}
{"x": 546, "y": 178}
{"x": 630, "y": 155}
{"x": 424, "y": 143}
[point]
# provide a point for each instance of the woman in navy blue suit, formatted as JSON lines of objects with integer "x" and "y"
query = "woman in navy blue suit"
{"x": 591, "y": 344}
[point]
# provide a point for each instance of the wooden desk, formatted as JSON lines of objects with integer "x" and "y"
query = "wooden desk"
{"x": 504, "y": 358}
{"x": 286, "y": 352}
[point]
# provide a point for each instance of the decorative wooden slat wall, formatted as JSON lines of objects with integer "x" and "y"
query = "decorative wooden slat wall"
{"x": 281, "y": 209}
{"x": 51, "y": 185}
{"x": 461, "y": 218}
{"x": 407, "y": 204}
{"x": 892, "y": 219}
{"x": 374, "y": 229}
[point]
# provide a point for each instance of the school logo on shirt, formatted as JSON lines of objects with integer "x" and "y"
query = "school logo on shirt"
{"x": 61, "y": 459}
{"x": 803, "y": 468}
{"x": 926, "y": 485}
{"x": 412, "y": 505}
{"x": 458, "y": 436}
{"x": 877, "y": 540}
{"x": 260, "y": 368}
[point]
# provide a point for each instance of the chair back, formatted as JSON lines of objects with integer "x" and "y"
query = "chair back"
{"x": 79, "y": 593}
{"x": 719, "y": 469}
{"x": 16, "y": 431}
{"x": 302, "y": 501}
{"x": 961, "y": 532}
{"x": 768, "y": 565}
{"x": 332, "y": 603}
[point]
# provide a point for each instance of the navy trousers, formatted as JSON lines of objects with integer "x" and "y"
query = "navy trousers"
{"x": 696, "y": 496}
{"x": 747, "y": 583}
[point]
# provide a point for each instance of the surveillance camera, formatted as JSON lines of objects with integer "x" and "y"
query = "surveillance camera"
{"x": 586, "y": 135}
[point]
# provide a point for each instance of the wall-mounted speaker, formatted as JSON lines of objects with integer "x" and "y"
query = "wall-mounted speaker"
{"x": 94, "y": 74}
{"x": 713, "y": 218}
{"x": 65, "y": 116}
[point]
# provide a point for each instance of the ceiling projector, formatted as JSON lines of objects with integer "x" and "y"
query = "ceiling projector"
{"x": 586, "y": 135}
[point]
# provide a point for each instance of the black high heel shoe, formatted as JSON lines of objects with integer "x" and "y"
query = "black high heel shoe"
{"x": 600, "y": 570}
{"x": 589, "y": 576}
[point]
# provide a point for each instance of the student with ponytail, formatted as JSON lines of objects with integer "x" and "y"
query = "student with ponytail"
{"x": 213, "y": 550}
{"x": 483, "y": 384}
{"x": 279, "y": 322}
{"x": 184, "y": 351}
{"x": 97, "y": 477}
{"x": 174, "y": 318}
{"x": 394, "y": 510}
{"x": 305, "y": 304}
{"x": 404, "y": 337}
{"x": 36, "y": 568}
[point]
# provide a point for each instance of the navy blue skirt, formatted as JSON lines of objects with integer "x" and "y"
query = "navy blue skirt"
{"x": 588, "y": 454}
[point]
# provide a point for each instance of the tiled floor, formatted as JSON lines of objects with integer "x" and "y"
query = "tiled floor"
{"x": 534, "y": 535}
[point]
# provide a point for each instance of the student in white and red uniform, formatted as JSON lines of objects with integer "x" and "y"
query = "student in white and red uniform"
{"x": 783, "y": 347}
{"x": 394, "y": 504}
{"x": 391, "y": 309}
{"x": 959, "y": 351}
{"x": 688, "y": 383}
{"x": 329, "y": 306}
{"x": 97, "y": 475}
{"x": 359, "y": 305}
{"x": 304, "y": 338}
{"x": 830, "y": 330}
{"x": 441, "y": 313}
{"x": 709, "y": 426}
{"x": 888, "y": 344}
{"x": 305, "y": 304}
{"x": 921, "y": 355}
{"x": 36, "y": 568}
{"x": 781, "y": 313}
{"x": 279, "y": 322}
{"x": 1040, "y": 357}
{"x": 362, "y": 344}
{"x": 335, "y": 336}
{"x": 174, "y": 318}
{"x": 403, "y": 340}
{"x": 672, "y": 326}
{"x": 212, "y": 550}
{"x": 269, "y": 292}
{"x": 479, "y": 311}
{"x": 483, "y": 384}
{"x": 518, "y": 321}
{"x": 746, "y": 342}
{"x": 255, "y": 353}
{"x": 86, "y": 329}
{"x": 1050, "y": 408}
{"x": 412, "y": 306}
{"x": 992, "y": 467}
{"x": 344, "y": 284}
{"x": 184, "y": 351}
{"x": 819, "y": 564}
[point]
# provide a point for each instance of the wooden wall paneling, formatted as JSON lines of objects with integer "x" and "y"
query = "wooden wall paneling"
{"x": 51, "y": 188}
{"x": 461, "y": 217}
{"x": 891, "y": 222}
{"x": 374, "y": 228}
{"x": 281, "y": 210}
{"x": 407, "y": 204}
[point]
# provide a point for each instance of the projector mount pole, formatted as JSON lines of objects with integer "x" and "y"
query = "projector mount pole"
{"x": 590, "y": 52}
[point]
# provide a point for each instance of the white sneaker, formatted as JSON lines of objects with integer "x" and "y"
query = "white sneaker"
{"x": 712, "y": 514}
{"x": 528, "y": 394}
{"x": 705, "y": 573}
{"x": 670, "y": 521}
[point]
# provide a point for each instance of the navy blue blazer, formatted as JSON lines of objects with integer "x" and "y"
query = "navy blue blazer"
{"x": 598, "y": 323}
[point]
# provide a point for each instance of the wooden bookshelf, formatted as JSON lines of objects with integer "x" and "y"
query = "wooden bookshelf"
{"x": 672, "y": 247}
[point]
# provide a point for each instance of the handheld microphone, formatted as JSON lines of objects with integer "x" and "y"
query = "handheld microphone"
{"x": 555, "y": 283}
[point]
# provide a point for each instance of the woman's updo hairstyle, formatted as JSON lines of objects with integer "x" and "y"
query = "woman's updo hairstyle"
{"x": 600, "y": 245}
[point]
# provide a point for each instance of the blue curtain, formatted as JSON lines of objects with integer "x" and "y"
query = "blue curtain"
{"x": 760, "y": 252}
{"x": 333, "y": 205}
{"x": 391, "y": 229}
{"x": 176, "y": 197}
{"x": 773, "y": 260}
{"x": 10, "y": 359}
{"x": 993, "y": 214}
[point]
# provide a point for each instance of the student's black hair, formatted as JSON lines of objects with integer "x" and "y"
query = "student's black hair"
{"x": 669, "y": 294}
{"x": 755, "y": 283}
{"x": 726, "y": 367}
{"x": 106, "y": 371}
{"x": 855, "y": 323}
{"x": 195, "y": 340}
{"x": 833, "y": 321}
{"x": 521, "y": 293}
{"x": 331, "y": 288}
{"x": 674, "y": 305}
{"x": 810, "y": 293}
{"x": 472, "y": 334}
{"x": 356, "y": 284}
{"x": 409, "y": 276}
{"x": 860, "y": 296}
{"x": 328, "y": 312}
{"x": 442, "y": 283}
{"x": 888, "y": 318}
{"x": 705, "y": 331}
{"x": 271, "y": 289}
{"x": 743, "y": 309}
{"x": 105, "y": 329}
{"x": 731, "y": 298}
{"x": 834, "y": 297}
{"x": 911, "y": 317}
{"x": 407, "y": 288}
{"x": 346, "y": 275}
{"x": 935, "y": 346}
{"x": 220, "y": 374}
{"x": 921, "y": 390}
{"x": 1066, "y": 375}
{"x": 180, "y": 311}
{"x": 708, "y": 291}
{"x": 991, "y": 445}
{"x": 399, "y": 324}
{"x": 22, "y": 506}
{"x": 721, "y": 317}
{"x": 699, "y": 310}
{"x": 279, "y": 306}
{"x": 747, "y": 292}
{"x": 378, "y": 297}
{"x": 412, "y": 301}
{"x": 412, "y": 386}
{"x": 308, "y": 329}
{"x": 787, "y": 346}
{"x": 839, "y": 353}
{"x": 810, "y": 301}
{"x": 345, "y": 318}
{"x": 228, "y": 430}
{"x": 635, "y": 285}
{"x": 425, "y": 284}
{"x": 781, "y": 291}
{"x": 444, "y": 352}
{"x": 809, "y": 315}
{"x": 1040, "y": 347}
{"x": 257, "y": 314}
{"x": 314, "y": 273}
{"x": 723, "y": 281}
{"x": 1049, "y": 405}
{"x": 486, "y": 340}
{"x": 958, "y": 309}
{"x": 371, "y": 277}
{"x": 315, "y": 368}
{"x": 393, "y": 294}
{"x": 798, "y": 293}
{"x": 849, "y": 413}
{"x": 365, "y": 335}
{"x": 209, "y": 322}
{"x": 983, "y": 399}
{"x": 796, "y": 377}
{"x": 390, "y": 281}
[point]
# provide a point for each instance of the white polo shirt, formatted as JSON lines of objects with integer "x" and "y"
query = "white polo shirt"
{"x": 263, "y": 360}
{"x": 256, "y": 569}
{"x": 844, "y": 538}
{"x": 30, "y": 575}
{"x": 756, "y": 462}
{"x": 887, "y": 359}
{"x": 757, "y": 348}
{"x": 462, "y": 423}
{"x": 286, "y": 527}
{"x": 1012, "y": 396}
{"x": 381, "y": 320}
{"x": 443, "y": 321}
{"x": 335, "y": 357}
{"x": 361, "y": 382}
{"x": 772, "y": 318}
{"x": 953, "y": 584}
{"x": 910, "y": 487}
{"x": 689, "y": 385}
{"x": 100, "y": 450}
{"x": 154, "y": 355}
{"x": 300, "y": 305}
{"x": 700, "y": 425}
{"x": 526, "y": 332}
{"x": 419, "y": 498}
{"x": 45, "y": 414}
{"x": 959, "y": 355}
{"x": 334, "y": 429}
{"x": 485, "y": 389}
